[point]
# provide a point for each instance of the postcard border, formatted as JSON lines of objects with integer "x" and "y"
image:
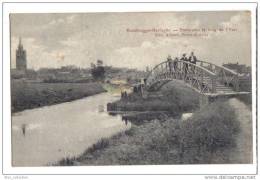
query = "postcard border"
{"x": 138, "y": 3}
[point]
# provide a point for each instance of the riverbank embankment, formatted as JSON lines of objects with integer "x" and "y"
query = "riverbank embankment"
{"x": 29, "y": 95}
{"x": 210, "y": 136}
{"x": 174, "y": 97}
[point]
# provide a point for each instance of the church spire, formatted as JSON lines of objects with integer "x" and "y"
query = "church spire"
{"x": 20, "y": 43}
{"x": 21, "y": 62}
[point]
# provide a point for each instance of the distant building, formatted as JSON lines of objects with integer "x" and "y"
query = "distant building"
{"x": 147, "y": 69}
{"x": 99, "y": 63}
{"x": 245, "y": 82}
{"x": 240, "y": 68}
{"x": 21, "y": 63}
{"x": 29, "y": 74}
{"x": 67, "y": 74}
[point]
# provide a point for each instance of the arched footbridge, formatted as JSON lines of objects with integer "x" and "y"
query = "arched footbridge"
{"x": 204, "y": 77}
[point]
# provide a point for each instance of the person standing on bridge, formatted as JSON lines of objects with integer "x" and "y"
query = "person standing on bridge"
{"x": 170, "y": 63}
{"x": 185, "y": 64}
{"x": 193, "y": 60}
{"x": 175, "y": 63}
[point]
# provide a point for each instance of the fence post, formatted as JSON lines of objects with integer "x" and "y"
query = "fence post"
{"x": 211, "y": 68}
{"x": 214, "y": 84}
{"x": 222, "y": 76}
{"x": 237, "y": 83}
{"x": 202, "y": 79}
{"x": 167, "y": 70}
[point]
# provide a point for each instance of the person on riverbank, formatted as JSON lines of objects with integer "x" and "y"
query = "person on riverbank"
{"x": 124, "y": 95}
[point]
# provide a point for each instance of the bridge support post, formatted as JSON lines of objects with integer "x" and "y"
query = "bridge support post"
{"x": 237, "y": 83}
{"x": 142, "y": 90}
{"x": 203, "y": 100}
{"x": 214, "y": 84}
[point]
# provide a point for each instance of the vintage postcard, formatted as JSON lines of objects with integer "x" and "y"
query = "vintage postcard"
{"x": 131, "y": 88}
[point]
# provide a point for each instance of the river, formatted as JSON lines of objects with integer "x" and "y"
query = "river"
{"x": 45, "y": 135}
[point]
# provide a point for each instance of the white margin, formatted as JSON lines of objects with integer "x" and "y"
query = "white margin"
{"x": 121, "y": 7}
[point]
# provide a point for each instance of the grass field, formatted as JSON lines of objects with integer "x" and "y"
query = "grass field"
{"x": 27, "y": 95}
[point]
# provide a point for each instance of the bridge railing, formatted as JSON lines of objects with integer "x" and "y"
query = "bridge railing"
{"x": 225, "y": 76}
{"x": 198, "y": 77}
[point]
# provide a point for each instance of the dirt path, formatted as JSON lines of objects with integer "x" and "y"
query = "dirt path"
{"x": 243, "y": 152}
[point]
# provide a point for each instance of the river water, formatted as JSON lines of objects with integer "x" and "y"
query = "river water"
{"x": 45, "y": 135}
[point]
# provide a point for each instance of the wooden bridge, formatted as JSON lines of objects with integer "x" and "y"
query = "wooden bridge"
{"x": 204, "y": 77}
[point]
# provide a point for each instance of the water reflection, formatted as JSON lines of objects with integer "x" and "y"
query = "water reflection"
{"x": 23, "y": 128}
{"x": 101, "y": 108}
{"x": 139, "y": 117}
{"x": 45, "y": 135}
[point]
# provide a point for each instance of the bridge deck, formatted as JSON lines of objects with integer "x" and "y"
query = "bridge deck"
{"x": 206, "y": 78}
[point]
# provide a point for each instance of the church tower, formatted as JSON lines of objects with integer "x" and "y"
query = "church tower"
{"x": 21, "y": 63}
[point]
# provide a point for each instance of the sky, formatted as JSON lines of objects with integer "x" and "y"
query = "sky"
{"x": 55, "y": 40}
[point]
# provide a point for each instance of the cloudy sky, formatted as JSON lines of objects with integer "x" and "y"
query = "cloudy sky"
{"x": 54, "y": 40}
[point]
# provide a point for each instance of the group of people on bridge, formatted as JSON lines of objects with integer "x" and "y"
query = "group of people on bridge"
{"x": 174, "y": 63}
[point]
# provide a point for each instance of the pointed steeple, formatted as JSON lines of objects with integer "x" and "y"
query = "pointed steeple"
{"x": 20, "y": 42}
{"x": 21, "y": 62}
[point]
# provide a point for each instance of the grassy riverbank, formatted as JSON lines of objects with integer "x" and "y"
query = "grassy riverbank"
{"x": 208, "y": 137}
{"x": 27, "y": 95}
{"x": 174, "y": 97}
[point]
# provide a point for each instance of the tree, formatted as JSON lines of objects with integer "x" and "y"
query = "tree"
{"x": 98, "y": 71}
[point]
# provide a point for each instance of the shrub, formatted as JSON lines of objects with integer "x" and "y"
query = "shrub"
{"x": 210, "y": 129}
{"x": 101, "y": 144}
{"x": 66, "y": 162}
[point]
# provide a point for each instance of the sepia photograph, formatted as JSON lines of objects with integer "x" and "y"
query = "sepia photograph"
{"x": 131, "y": 88}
